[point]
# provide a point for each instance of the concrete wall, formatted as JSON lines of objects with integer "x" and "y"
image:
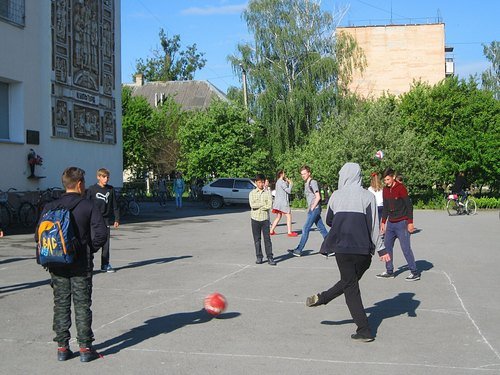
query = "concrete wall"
{"x": 26, "y": 63}
{"x": 396, "y": 55}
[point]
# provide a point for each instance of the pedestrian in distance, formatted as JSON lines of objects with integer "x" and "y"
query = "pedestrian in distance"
{"x": 261, "y": 202}
{"x": 313, "y": 198}
{"x": 74, "y": 281}
{"x": 376, "y": 188}
{"x": 104, "y": 197}
{"x": 354, "y": 236}
{"x": 281, "y": 204}
{"x": 179, "y": 187}
{"x": 397, "y": 223}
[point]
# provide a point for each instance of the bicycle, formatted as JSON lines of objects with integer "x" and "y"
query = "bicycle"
{"x": 455, "y": 206}
{"x": 128, "y": 205}
{"x": 25, "y": 214}
{"x": 44, "y": 197}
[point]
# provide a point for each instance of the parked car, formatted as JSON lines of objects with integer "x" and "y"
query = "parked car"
{"x": 227, "y": 190}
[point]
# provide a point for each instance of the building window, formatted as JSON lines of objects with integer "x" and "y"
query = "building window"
{"x": 4, "y": 110}
{"x": 12, "y": 11}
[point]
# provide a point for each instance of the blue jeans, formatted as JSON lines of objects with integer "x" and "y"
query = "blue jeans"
{"x": 178, "y": 199}
{"x": 313, "y": 217}
{"x": 399, "y": 230}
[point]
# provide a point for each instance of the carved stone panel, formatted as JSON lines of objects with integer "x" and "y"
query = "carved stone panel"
{"x": 83, "y": 70}
{"x": 86, "y": 123}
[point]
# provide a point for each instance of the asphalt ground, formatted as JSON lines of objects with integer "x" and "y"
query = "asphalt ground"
{"x": 149, "y": 317}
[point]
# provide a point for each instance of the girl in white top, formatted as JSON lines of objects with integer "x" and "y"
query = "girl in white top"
{"x": 376, "y": 188}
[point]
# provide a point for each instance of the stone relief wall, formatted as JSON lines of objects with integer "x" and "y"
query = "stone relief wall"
{"x": 83, "y": 70}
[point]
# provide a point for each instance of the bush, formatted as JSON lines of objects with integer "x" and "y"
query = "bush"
{"x": 298, "y": 203}
{"x": 487, "y": 202}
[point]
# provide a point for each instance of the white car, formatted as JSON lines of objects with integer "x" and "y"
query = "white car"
{"x": 227, "y": 190}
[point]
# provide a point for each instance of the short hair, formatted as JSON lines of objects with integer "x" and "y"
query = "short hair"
{"x": 279, "y": 173}
{"x": 388, "y": 172}
{"x": 306, "y": 168}
{"x": 260, "y": 177}
{"x": 71, "y": 176}
{"x": 399, "y": 178}
{"x": 103, "y": 172}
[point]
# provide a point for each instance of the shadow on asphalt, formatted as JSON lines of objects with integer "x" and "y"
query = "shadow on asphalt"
{"x": 17, "y": 287}
{"x": 11, "y": 260}
{"x": 152, "y": 261}
{"x": 152, "y": 211}
{"x": 157, "y": 326}
{"x": 402, "y": 304}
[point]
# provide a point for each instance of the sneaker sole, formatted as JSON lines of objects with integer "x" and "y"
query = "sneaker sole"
{"x": 415, "y": 279}
{"x": 296, "y": 254}
{"x": 384, "y": 277}
{"x": 363, "y": 339}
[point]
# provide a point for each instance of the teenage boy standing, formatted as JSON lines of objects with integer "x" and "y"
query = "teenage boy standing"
{"x": 313, "y": 197}
{"x": 75, "y": 281}
{"x": 104, "y": 197}
{"x": 261, "y": 202}
{"x": 397, "y": 222}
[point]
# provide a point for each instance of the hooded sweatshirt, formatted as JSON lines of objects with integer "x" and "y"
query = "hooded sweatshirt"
{"x": 352, "y": 216}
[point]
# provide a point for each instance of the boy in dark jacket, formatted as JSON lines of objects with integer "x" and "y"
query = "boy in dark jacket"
{"x": 397, "y": 222}
{"x": 104, "y": 198}
{"x": 75, "y": 280}
{"x": 353, "y": 237}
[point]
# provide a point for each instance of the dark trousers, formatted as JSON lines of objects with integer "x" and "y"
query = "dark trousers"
{"x": 105, "y": 250}
{"x": 399, "y": 230}
{"x": 258, "y": 228}
{"x": 79, "y": 287}
{"x": 351, "y": 267}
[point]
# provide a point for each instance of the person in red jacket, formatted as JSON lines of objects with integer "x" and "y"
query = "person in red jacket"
{"x": 397, "y": 222}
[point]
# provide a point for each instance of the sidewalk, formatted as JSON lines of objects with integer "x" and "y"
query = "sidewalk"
{"x": 148, "y": 316}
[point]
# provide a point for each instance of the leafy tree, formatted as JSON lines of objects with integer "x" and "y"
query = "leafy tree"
{"x": 461, "y": 124}
{"x": 149, "y": 135}
{"x": 293, "y": 67}
{"x": 491, "y": 77}
{"x": 354, "y": 135}
{"x": 171, "y": 63}
{"x": 219, "y": 142}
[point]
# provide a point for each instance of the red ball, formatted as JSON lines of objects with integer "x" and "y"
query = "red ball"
{"x": 215, "y": 304}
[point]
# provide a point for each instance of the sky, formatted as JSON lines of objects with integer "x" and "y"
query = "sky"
{"x": 217, "y": 27}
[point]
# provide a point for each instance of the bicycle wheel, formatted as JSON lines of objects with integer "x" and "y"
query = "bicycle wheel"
{"x": 134, "y": 208}
{"x": 470, "y": 206}
{"x": 5, "y": 216}
{"x": 27, "y": 215}
{"x": 453, "y": 207}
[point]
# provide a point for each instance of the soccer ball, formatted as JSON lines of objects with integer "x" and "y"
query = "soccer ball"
{"x": 215, "y": 304}
{"x": 379, "y": 155}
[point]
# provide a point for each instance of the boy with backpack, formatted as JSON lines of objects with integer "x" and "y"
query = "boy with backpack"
{"x": 79, "y": 233}
{"x": 104, "y": 198}
{"x": 313, "y": 197}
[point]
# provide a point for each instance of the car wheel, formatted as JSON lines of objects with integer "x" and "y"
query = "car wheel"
{"x": 215, "y": 202}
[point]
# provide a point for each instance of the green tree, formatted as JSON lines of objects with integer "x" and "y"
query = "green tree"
{"x": 171, "y": 63}
{"x": 294, "y": 66}
{"x": 354, "y": 135}
{"x": 149, "y": 135}
{"x": 461, "y": 124}
{"x": 219, "y": 142}
{"x": 491, "y": 77}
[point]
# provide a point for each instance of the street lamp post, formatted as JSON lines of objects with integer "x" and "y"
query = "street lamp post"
{"x": 244, "y": 79}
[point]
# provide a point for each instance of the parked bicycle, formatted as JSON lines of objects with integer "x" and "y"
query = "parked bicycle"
{"x": 44, "y": 197}
{"x": 128, "y": 204}
{"x": 25, "y": 214}
{"x": 456, "y": 206}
